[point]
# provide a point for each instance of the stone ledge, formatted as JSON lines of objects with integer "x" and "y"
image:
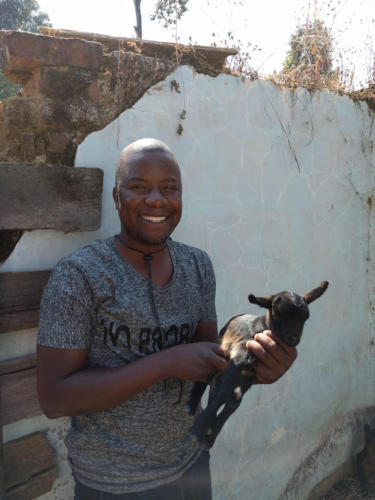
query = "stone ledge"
{"x": 197, "y": 56}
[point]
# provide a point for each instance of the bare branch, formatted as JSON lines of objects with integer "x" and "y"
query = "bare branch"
{"x": 138, "y": 15}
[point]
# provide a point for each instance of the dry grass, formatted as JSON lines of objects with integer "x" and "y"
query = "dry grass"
{"x": 307, "y": 76}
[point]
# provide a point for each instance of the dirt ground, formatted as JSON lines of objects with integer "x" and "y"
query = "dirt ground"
{"x": 349, "y": 489}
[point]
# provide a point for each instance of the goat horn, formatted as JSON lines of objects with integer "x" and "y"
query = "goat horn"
{"x": 316, "y": 292}
{"x": 260, "y": 301}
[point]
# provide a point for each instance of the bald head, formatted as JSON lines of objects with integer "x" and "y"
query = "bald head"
{"x": 138, "y": 150}
{"x": 147, "y": 193}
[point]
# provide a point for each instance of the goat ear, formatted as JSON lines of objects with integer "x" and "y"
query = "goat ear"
{"x": 316, "y": 292}
{"x": 260, "y": 301}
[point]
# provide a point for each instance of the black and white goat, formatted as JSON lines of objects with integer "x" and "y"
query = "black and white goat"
{"x": 286, "y": 315}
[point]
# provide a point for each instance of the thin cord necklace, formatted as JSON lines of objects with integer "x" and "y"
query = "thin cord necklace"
{"x": 147, "y": 257}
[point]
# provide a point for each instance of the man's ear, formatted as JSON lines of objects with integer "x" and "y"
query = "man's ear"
{"x": 115, "y": 197}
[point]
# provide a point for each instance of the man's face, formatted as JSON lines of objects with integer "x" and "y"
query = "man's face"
{"x": 148, "y": 199}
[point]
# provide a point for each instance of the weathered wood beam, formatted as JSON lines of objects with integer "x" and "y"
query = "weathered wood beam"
{"x": 18, "y": 390}
{"x": 20, "y": 295}
{"x": 41, "y": 197}
{"x": 30, "y": 467}
{"x": 17, "y": 364}
{"x": 2, "y": 471}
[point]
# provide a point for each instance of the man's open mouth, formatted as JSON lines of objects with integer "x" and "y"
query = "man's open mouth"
{"x": 150, "y": 218}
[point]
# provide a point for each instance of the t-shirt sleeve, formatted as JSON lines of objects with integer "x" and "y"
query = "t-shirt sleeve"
{"x": 209, "y": 288}
{"x": 66, "y": 309}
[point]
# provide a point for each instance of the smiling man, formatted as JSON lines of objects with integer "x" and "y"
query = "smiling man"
{"x": 126, "y": 325}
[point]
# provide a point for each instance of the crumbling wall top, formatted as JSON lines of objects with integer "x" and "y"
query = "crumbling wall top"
{"x": 198, "y": 56}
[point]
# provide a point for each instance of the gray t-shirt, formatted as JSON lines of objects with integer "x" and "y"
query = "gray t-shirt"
{"x": 97, "y": 301}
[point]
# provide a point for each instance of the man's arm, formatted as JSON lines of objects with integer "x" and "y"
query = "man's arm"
{"x": 66, "y": 387}
{"x": 206, "y": 331}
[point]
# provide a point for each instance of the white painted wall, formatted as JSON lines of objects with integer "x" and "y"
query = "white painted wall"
{"x": 275, "y": 189}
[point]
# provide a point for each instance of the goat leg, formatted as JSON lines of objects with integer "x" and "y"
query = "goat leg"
{"x": 230, "y": 407}
{"x": 195, "y": 396}
{"x": 219, "y": 394}
{"x": 212, "y": 432}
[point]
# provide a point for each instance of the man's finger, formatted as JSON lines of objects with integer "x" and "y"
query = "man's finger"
{"x": 261, "y": 353}
{"x": 276, "y": 349}
{"x": 289, "y": 350}
{"x": 219, "y": 362}
{"x": 218, "y": 350}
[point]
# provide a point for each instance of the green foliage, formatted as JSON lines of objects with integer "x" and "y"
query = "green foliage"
{"x": 309, "y": 61}
{"x": 7, "y": 88}
{"x": 311, "y": 45}
{"x": 23, "y": 15}
{"x": 168, "y": 12}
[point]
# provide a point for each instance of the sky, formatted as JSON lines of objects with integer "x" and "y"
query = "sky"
{"x": 267, "y": 24}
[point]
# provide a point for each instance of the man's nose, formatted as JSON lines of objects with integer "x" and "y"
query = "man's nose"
{"x": 155, "y": 197}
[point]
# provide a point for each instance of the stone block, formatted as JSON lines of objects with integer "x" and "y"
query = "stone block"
{"x": 61, "y": 148}
{"x": 23, "y": 52}
{"x": 62, "y": 82}
{"x": 31, "y": 113}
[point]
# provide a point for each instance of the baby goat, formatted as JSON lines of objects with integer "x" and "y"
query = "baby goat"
{"x": 286, "y": 315}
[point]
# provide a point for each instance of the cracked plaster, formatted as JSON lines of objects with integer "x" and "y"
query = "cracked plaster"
{"x": 267, "y": 225}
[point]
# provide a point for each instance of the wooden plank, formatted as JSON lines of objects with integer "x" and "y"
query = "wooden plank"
{"x": 30, "y": 467}
{"x": 19, "y": 395}
{"x": 42, "y": 197}
{"x": 17, "y": 364}
{"x": 38, "y": 485}
{"x": 214, "y": 56}
{"x": 2, "y": 472}
{"x": 20, "y": 295}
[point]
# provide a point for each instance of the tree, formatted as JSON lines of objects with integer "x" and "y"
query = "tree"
{"x": 309, "y": 60}
{"x": 138, "y": 15}
{"x": 311, "y": 45}
{"x": 22, "y": 15}
{"x": 167, "y": 12}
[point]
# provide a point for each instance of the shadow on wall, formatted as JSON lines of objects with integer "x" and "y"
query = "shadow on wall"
{"x": 350, "y": 474}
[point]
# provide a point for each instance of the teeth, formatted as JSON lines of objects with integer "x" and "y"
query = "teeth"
{"x": 154, "y": 219}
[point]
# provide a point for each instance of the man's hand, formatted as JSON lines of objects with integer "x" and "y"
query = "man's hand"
{"x": 275, "y": 357}
{"x": 197, "y": 361}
